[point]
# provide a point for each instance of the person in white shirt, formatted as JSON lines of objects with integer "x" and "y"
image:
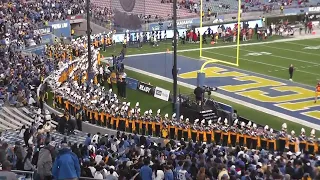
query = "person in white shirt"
{"x": 158, "y": 174}
{"x": 31, "y": 101}
{"x": 95, "y": 138}
{"x": 155, "y": 43}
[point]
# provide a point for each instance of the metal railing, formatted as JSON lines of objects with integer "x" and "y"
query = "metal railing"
{"x": 24, "y": 174}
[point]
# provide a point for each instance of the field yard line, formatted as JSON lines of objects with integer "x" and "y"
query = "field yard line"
{"x": 230, "y": 45}
{"x": 256, "y": 73}
{"x": 282, "y": 57}
{"x": 302, "y": 52}
{"x": 304, "y": 45}
{"x": 244, "y": 103}
{"x": 258, "y": 62}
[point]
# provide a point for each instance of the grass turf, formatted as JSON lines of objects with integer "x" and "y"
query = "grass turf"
{"x": 148, "y": 102}
{"x": 276, "y": 63}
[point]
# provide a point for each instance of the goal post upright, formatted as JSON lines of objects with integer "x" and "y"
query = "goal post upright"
{"x": 239, "y": 31}
{"x": 201, "y": 11}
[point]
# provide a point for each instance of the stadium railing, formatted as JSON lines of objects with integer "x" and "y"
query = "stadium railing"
{"x": 24, "y": 174}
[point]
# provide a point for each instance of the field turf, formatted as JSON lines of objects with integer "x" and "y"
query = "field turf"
{"x": 267, "y": 58}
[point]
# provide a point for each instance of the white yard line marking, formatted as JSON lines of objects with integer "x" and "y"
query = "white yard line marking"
{"x": 302, "y": 52}
{"x": 283, "y": 57}
{"x": 299, "y": 44}
{"x": 244, "y": 59}
{"x": 237, "y": 101}
{"x": 231, "y": 45}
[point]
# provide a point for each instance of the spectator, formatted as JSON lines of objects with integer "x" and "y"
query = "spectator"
{"x": 201, "y": 174}
{"x": 28, "y": 166}
{"x": 5, "y": 173}
{"x": 44, "y": 164}
{"x": 168, "y": 174}
{"x": 66, "y": 165}
{"x": 146, "y": 171}
{"x": 3, "y": 152}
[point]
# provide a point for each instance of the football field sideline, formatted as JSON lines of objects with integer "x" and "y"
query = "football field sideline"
{"x": 285, "y": 40}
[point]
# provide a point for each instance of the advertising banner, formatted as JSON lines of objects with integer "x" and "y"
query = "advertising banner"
{"x": 183, "y": 23}
{"x": 295, "y": 11}
{"x": 144, "y": 87}
{"x": 43, "y": 31}
{"x": 214, "y": 28}
{"x": 120, "y": 37}
{"x": 47, "y": 39}
{"x": 61, "y": 28}
{"x": 162, "y": 94}
{"x": 132, "y": 83}
{"x": 314, "y": 9}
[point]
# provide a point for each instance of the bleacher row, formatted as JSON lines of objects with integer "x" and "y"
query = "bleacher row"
{"x": 12, "y": 119}
{"x": 146, "y": 7}
{"x": 155, "y": 7}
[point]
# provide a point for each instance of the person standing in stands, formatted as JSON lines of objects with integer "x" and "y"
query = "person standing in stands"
{"x": 146, "y": 171}
{"x": 44, "y": 164}
{"x": 6, "y": 171}
{"x": 66, "y": 165}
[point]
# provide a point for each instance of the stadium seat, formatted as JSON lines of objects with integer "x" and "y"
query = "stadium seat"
{"x": 9, "y": 111}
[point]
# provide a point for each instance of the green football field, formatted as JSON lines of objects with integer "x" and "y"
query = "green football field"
{"x": 271, "y": 57}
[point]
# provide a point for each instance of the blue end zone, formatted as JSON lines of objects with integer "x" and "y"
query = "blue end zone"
{"x": 161, "y": 64}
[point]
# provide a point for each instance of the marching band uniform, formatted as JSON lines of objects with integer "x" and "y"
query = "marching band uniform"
{"x": 217, "y": 131}
{"x": 312, "y": 144}
{"x": 255, "y": 140}
{"x": 272, "y": 143}
{"x": 157, "y": 125}
{"x": 193, "y": 130}
{"x": 283, "y": 138}
{"x": 202, "y": 137}
{"x": 241, "y": 136}
{"x": 233, "y": 133}
{"x": 225, "y": 138}
{"x": 302, "y": 141}
{"x": 292, "y": 143}
{"x": 172, "y": 128}
{"x": 165, "y": 127}
{"x": 264, "y": 138}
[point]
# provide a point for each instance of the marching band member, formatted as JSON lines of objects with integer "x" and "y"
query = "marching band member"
{"x": 312, "y": 145}
{"x": 234, "y": 132}
{"x": 283, "y": 137}
{"x": 255, "y": 141}
{"x": 218, "y": 131}
{"x": 209, "y": 132}
{"x": 181, "y": 118}
{"x": 225, "y": 133}
{"x": 165, "y": 124}
{"x": 272, "y": 144}
{"x": 194, "y": 132}
{"x": 302, "y": 140}
{"x": 264, "y": 138}
{"x": 202, "y": 137}
{"x": 292, "y": 142}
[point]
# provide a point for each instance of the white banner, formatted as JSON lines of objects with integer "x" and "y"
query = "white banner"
{"x": 161, "y": 93}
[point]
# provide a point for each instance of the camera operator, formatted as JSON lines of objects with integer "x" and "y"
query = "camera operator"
{"x": 199, "y": 92}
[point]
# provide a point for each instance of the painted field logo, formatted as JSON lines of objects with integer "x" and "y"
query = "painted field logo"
{"x": 258, "y": 54}
{"x": 312, "y": 47}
